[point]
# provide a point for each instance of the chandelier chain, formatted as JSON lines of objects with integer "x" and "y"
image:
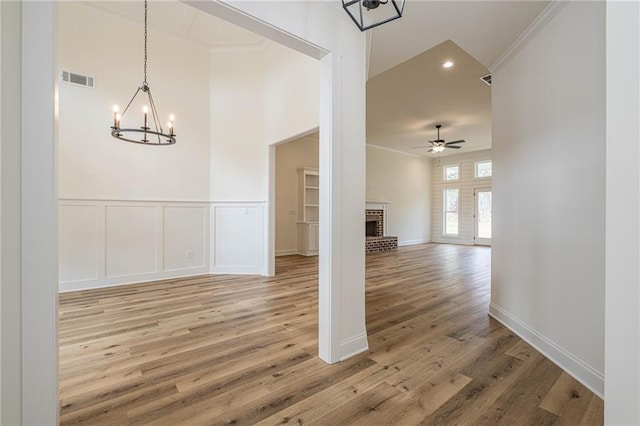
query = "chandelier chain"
{"x": 145, "y": 41}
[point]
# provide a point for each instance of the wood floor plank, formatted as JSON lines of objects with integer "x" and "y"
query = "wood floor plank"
{"x": 227, "y": 349}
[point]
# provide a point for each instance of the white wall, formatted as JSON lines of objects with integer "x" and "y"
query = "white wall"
{"x": 549, "y": 187}
{"x": 291, "y": 156}
{"x": 238, "y": 149}
{"x": 622, "y": 343}
{"x": 404, "y": 181}
{"x": 258, "y": 97}
{"x": 10, "y": 201}
{"x": 93, "y": 164}
{"x": 290, "y": 94}
{"x": 466, "y": 202}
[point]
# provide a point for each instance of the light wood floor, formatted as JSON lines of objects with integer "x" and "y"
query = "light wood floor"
{"x": 242, "y": 350}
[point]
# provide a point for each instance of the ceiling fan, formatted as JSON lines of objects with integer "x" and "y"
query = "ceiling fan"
{"x": 439, "y": 144}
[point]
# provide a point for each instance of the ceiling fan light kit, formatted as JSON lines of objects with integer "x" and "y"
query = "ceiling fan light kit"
{"x": 439, "y": 145}
{"x": 367, "y": 14}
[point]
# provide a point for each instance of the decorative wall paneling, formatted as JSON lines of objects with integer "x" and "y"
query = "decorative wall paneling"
{"x": 104, "y": 243}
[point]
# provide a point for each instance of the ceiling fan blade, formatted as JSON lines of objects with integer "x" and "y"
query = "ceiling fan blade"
{"x": 452, "y": 146}
{"x": 418, "y": 147}
{"x": 458, "y": 141}
{"x": 430, "y": 150}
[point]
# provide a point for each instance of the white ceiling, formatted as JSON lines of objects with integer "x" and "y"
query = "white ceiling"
{"x": 406, "y": 102}
{"x": 408, "y": 91}
{"x": 182, "y": 20}
{"x": 483, "y": 28}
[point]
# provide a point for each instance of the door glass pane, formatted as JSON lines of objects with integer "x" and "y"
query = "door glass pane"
{"x": 484, "y": 214}
{"x": 451, "y": 211}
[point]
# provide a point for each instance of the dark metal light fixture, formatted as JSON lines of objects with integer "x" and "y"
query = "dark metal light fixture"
{"x": 367, "y": 14}
{"x": 149, "y": 135}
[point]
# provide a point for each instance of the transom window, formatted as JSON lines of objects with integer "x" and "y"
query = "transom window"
{"x": 452, "y": 172}
{"x": 484, "y": 169}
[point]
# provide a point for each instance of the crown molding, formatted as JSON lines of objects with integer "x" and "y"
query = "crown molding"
{"x": 397, "y": 151}
{"x": 532, "y": 30}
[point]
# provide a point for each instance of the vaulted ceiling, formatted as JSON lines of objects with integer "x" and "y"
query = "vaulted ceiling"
{"x": 408, "y": 91}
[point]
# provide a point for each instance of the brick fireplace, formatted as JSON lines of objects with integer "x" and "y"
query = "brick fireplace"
{"x": 375, "y": 229}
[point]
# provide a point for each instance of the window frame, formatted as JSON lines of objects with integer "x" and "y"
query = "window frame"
{"x": 475, "y": 169}
{"x": 444, "y": 172}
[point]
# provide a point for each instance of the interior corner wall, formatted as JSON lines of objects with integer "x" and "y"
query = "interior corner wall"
{"x": 291, "y": 156}
{"x": 404, "y": 181}
{"x": 259, "y": 96}
{"x": 290, "y": 93}
{"x": 238, "y": 151}
{"x": 238, "y": 162}
{"x": 466, "y": 201}
{"x": 549, "y": 190}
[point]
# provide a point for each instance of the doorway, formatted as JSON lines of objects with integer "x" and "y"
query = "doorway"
{"x": 482, "y": 216}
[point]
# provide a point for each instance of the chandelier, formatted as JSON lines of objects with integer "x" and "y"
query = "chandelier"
{"x": 367, "y": 14}
{"x": 151, "y": 132}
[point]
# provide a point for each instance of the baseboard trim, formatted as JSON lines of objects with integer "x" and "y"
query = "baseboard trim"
{"x": 287, "y": 252}
{"x": 572, "y": 365}
{"x": 92, "y": 284}
{"x": 412, "y": 242}
{"x": 237, "y": 270}
{"x": 452, "y": 241}
{"x": 353, "y": 346}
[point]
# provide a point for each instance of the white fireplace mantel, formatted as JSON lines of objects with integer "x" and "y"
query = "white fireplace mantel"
{"x": 380, "y": 205}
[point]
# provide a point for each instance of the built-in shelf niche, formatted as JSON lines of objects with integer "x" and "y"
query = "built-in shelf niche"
{"x": 308, "y": 210}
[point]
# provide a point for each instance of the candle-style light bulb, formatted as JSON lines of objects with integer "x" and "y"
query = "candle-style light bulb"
{"x": 171, "y": 120}
{"x": 115, "y": 113}
{"x": 145, "y": 110}
{"x": 117, "y": 120}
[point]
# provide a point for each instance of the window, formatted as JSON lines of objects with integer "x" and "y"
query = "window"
{"x": 483, "y": 169}
{"x": 451, "y": 172}
{"x": 451, "y": 211}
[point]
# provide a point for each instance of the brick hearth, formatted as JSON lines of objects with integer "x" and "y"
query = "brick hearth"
{"x": 380, "y": 242}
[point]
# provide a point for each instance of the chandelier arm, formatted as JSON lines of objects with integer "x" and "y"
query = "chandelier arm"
{"x": 154, "y": 114}
{"x": 129, "y": 104}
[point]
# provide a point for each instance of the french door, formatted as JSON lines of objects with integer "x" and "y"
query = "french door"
{"x": 482, "y": 216}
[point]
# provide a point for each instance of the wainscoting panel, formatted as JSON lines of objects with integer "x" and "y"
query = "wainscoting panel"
{"x": 131, "y": 240}
{"x": 80, "y": 240}
{"x": 238, "y": 238}
{"x": 185, "y": 232}
{"x": 104, "y": 243}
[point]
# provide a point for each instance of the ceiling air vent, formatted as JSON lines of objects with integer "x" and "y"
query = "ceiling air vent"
{"x": 78, "y": 79}
{"x": 486, "y": 79}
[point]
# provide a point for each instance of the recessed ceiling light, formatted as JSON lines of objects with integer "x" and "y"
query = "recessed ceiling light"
{"x": 447, "y": 64}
